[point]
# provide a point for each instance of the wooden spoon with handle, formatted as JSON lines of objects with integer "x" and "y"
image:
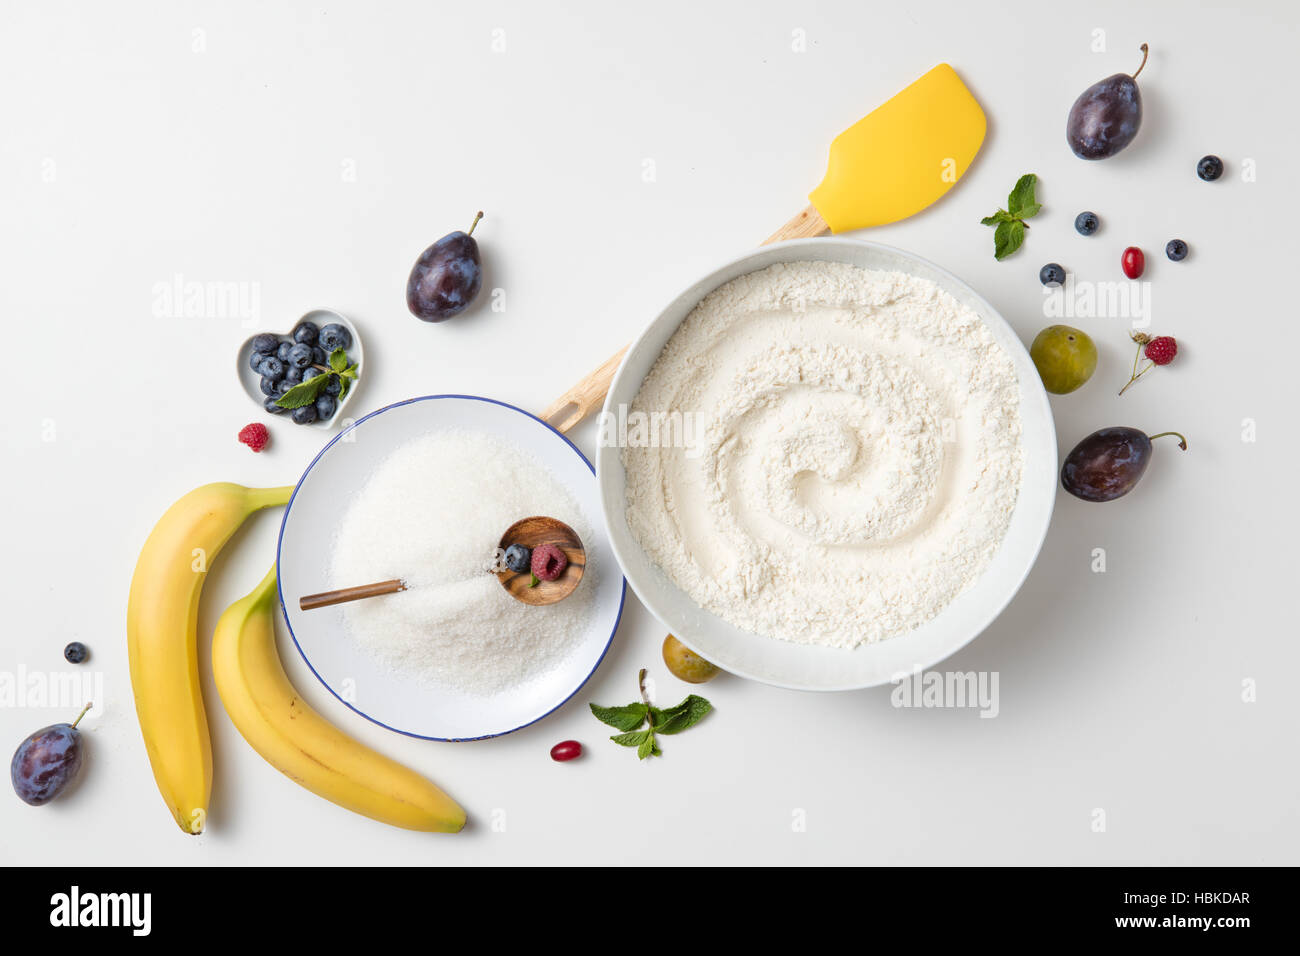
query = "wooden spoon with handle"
{"x": 521, "y": 585}
{"x": 891, "y": 164}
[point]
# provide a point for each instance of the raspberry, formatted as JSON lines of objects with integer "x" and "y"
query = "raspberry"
{"x": 1162, "y": 349}
{"x": 255, "y": 436}
{"x": 1159, "y": 351}
{"x": 549, "y": 562}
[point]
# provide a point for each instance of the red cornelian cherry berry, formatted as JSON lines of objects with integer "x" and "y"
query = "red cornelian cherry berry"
{"x": 566, "y": 750}
{"x": 1134, "y": 262}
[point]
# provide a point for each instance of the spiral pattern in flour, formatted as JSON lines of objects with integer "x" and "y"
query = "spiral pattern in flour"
{"x": 840, "y": 446}
{"x": 858, "y": 459}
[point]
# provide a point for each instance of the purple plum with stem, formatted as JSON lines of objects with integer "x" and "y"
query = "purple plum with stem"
{"x": 47, "y": 761}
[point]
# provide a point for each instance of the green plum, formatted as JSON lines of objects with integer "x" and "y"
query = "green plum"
{"x": 1065, "y": 358}
{"x": 685, "y": 664}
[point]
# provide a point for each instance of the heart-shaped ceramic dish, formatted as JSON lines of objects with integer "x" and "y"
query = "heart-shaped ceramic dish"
{"x": 250, "y": 381}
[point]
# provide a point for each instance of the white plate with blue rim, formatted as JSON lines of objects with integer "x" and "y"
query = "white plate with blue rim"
{"x": 407, "y": 703}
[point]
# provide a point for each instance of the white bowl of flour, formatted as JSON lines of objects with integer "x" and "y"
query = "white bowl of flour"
{"x": 827, "y": 464}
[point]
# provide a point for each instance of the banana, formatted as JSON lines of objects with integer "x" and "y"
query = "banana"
{"x": 302, "y": 744}
{"x": 161, "y": 629}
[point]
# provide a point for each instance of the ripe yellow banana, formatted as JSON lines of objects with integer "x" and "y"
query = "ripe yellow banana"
{"x": 302, "y": 744}
{"x": 161, "y": 629}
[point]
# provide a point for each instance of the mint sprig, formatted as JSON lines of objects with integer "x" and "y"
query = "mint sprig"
{"x": 1009, "y": 224}
{"x": 623, "y": 718}
{"x": 306, "y": 393}
{"x": 665, "y": 720}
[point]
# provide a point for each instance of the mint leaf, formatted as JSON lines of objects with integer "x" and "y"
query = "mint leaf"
{"x": 338, "y": 360}
{"x": 1007, "y": 238}
{"x": 636, "y": 739}
{"x": 346, "y": 383}
{"x": 624, "y": 718}
{"x": 304, "y": 393}
{"x": 1009, "y": 227}
{"x": 684, "y": 716}
{"x": 666, "y": 720}
{"x": 1029, "y": 212}
{"x": 1021, "y": 201}
{"x": 668, "y": 713}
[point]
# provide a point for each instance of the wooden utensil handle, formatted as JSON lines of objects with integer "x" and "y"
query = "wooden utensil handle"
{"x": 806, "y": 225}
{"x": 343, "y": 595}
{"x": 585, "y": 397}
{"x": 589, "y": 394}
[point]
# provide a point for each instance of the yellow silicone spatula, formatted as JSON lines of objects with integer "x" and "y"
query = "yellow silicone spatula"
{"x": 896, "y": 160}
{"x": 891, "y": 164}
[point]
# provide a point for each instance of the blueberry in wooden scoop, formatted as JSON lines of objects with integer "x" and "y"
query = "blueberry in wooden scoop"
{"x": 446, "y": 277}
{"x": 1106, "y": 116}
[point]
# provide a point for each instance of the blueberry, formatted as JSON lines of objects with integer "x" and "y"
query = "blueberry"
{"x": 270, "y": 386}
{"x": 300, "y": 355}
{"x": 1176, "y": 250}
{"x": 282, "y": 386}
{"x": 318, "y": 356}
{"x": 266, "y": 342}
{"x": 518, "y": 558}
{"x": 309, "y": 373}
{"x": 305, "y": 415}
{"x": 75, "y": 653}
{"x": 273, "y": 408}
{"x": 325, "y": 406}
{"x": 1086, "y": 223}
{"x": 293, "y": 375}
{"x": 334, "y": 336}
{"x": 1052, "y": 274}
{"x": 255, "y": 360}
{"x": 282, "y": 351}
{"x": 1209, "y": 168}
{"x": 272, "y": 368}
{"x": 334, "y": 385}
{"x": 305, "y": 333}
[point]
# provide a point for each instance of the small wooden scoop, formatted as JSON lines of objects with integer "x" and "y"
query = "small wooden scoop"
{"x": 530, "y": 532}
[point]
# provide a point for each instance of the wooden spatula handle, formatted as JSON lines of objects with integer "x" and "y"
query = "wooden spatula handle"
{"x": 312, "y": 601}
{"x": 806, "y": 225}
{"x": 589, "y": 394}
{"x": 585, "y": 397}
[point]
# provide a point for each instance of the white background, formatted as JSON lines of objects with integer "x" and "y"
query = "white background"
{"x": 314, "y": 149}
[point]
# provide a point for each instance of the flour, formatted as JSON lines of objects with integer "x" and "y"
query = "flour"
{"x": 432, "y": 514}
{"x": 859, "y": 458}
